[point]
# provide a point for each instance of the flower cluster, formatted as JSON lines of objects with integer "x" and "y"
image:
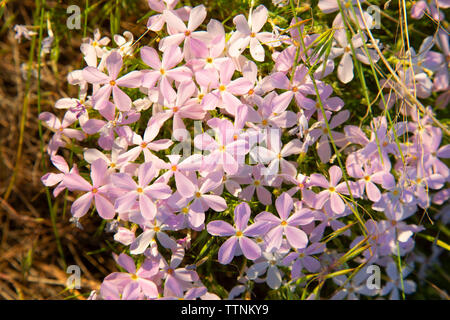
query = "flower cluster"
{"x": 200, "y": 141}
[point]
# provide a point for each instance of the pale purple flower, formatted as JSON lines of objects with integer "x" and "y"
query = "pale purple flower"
{"x": 240, "y": 234}
{"x": 111, "y": 83}
{"x": 97, "y": 192}
{"x": 286, "y": 224}
{"x": 132, "y": 284}
{"x": 333, "y": 189}
{"x": 227, "y": 152}
{"x": 50, "y": 179}
{"x": 177, "y": 280}
{"x": 61, "y": 129}
{"x": 224, "y": 90}
{"x": 142, "y": 191}
{"x": 345, "y": 67}
{"x": 179, "y": 32}
{"x": 165, "y": 71}
{"x": 249, "y": 34}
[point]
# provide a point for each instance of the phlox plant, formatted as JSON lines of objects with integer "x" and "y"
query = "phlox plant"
{"x": 228, "y": 165}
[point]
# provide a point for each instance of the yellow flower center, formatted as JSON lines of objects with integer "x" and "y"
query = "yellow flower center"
{"x": 283, "y": 223}
{"x": 198, "y": 194}
{"x": 367, "y": 178}
{"x": 264, "y": 122}
{"x": 187, "y": 33}
{"x": 251, "y": 91}
{"x": 162, "y": 71}
{"x": 94, "y": 190}
{"x": 252, "y": 35}
{"x": 175, "y": 109}
{"x": 294, "y": 89}
{"x": 112, "y": 83}
{"x": 174, "y": 168}
{"x": 239, "y": 233}
{"x": 222, "y": 88}
{"x": 209, "y": 60}
{"x": 134, "y": 277}
{"x": 157, "y": 229}
{"x": 144, "y": 145}
{"x": 257, "y": 182}
{"x": 139, "y": 190}
{"x": 332, "y": 189}
{"x": 222, "y": 148}
{"x": 185, "y": 210}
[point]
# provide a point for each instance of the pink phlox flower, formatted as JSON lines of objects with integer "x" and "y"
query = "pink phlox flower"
{"x": 119, "y": 147}
{"x": 132, "y": 284}
{"x": 351, "y": 290}
{"x": 300, "y": 86}
{"x": 61, "y": 129}
{"x": 286, "y": 224}
{"x": 369, "y": 176}
{"x": 164, "y": 72}
{"x": 209, "y": 54}
{"x": 271, "y": 112}
{"x": 177, "y": 280}
{"x": 395, "y": 284}
{"x": 156, "y": 22}
{"x": 304, "y": 259}
{"x": 327, "y": 218}
{"x": 146, "y": 143}
{"x": 179, "y": 32}
{"x": 186, "y": 217}
{"x": 321, "y": 135}
{"x": 111, "y": 83}
{"x": 183, "y": 106}
{"x": 97, "y": 43}
{"x": 343, "y": 48}
{"x": 228, "y": 151}
{"x": 274, "y": 155}
{"x": 97, "y": 191}
{"x": 115, "y": 124}
{"x": 422, "y": 179}
{"x": 240, "y": 234}
{"x": 180, "y": 170}
{"x": 51, "y": 179}
{"x": 248, "y": 33}
{"x": 152, "y": 230}
{"x": 333, "y": 189}
{"x": 142, "y": 191}
{"x": 421, "y": 7}
{"x": 124, "y": 43}
{"x": 268, "y": 264}
{"x": 77, "y": 106}
{"x": 223, "y": 90}
{"x": 202, "y": 200}
{"x": 256, "y": 181}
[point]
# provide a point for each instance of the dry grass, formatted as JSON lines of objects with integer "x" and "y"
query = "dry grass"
{"x": 30, "y": 265}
